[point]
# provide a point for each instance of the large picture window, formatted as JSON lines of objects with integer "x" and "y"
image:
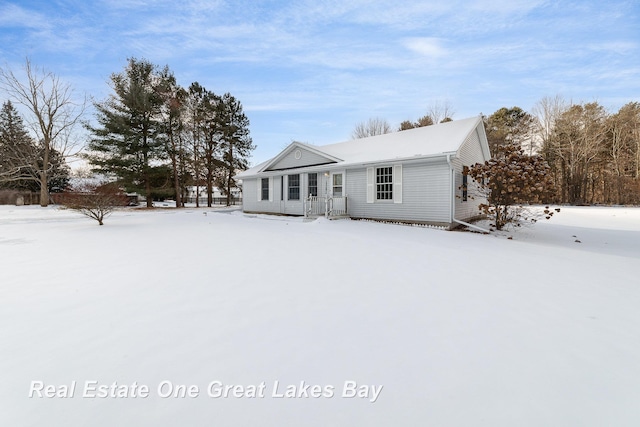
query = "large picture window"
{"x": 294, "y": 187}
{"x": 265, "y": 188}
{"x": 313, "y": 184}
{"x": 384, "y": 183}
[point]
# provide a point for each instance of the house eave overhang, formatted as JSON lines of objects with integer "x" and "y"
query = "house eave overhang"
{"x": 419, "y": 158}
{"x": 291, "y": 147}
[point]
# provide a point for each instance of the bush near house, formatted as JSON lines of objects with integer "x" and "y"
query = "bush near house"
{"x": 511, "y": 180}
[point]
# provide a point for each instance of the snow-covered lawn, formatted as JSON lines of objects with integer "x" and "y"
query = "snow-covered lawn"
{"x": 459, "y": 329}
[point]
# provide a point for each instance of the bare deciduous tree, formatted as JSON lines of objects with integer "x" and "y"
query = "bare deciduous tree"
{"x": 440, "y": 112}
{"x": 52, "y": 111}
{"x": 373, "y": 126}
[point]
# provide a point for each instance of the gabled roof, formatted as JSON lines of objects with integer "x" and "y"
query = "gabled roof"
{"x": 428, "y": 141}
{"x": 320, "y": 156}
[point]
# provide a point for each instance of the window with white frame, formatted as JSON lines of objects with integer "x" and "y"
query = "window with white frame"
{"x": 294, "y": 187}
{"x": 265, "y": 188}
{"x": 337, "y": 185}
{"x": 313, "y": 184}
{"x": 384, "y": 183}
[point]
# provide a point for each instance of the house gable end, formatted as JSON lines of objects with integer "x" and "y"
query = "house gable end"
{"x": 475, "y": 148}
{"x": 297, "y": 156}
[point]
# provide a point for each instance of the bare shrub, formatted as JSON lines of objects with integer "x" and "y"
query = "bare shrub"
{"x": 96, "y": 201}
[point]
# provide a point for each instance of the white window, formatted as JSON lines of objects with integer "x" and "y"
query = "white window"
{"x": 265, "y": 189}
{"x": 337, "y": 185}
{"x": 294, "y": 187}
{"x": 384, "y": 183}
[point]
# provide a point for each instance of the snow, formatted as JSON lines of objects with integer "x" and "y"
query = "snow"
{"x": 427, "y": 141}
{"x": 458, "y": 328}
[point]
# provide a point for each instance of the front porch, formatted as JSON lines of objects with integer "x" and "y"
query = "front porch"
{"x": 327, "y": 206}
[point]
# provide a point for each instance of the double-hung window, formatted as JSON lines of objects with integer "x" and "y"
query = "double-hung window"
{"x": 294, "y": 187}
{"x": 265, "y": 188}
{"x": 337, "y": 185}
{"x": 384, "y": 183}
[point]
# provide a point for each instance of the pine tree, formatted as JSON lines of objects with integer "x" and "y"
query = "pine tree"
{"x": 235, "y": 143}
{"x": 510, "y": 125}
{"x": 212, "y": 109}
{"x": 129, "y": 137}
{"x": 18, "y": 153}
{"x": 196, "y": 123}
{"x": 173, "y": 117}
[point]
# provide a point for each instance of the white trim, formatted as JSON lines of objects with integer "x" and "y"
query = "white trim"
{"x": 259, "y": 185}
{"x": 397, "y": 183}
{"x": 344, "y": 182}
{"x": 271, "y": 189}
{"x": 293, "y": 146}
{"x": 370, "y": 185}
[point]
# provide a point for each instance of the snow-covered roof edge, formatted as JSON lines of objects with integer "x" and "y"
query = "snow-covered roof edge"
{"x": 425, "y": 142}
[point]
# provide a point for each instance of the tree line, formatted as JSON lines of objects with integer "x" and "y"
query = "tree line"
{"x": 154, "y": 134}
{"x": 156, "y": 137}
{"x": 151, "y": 135}
{"x": 593, "y": 155}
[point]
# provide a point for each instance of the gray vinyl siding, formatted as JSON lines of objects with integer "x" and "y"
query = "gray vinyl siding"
{"x": 425, "y": 194}
{"x": 250, "y": 202}
{"x": 470, "y": 153}
{"x": 307, "y": 158}
{"x": 276, "y": 205}
{"x": 249, "y": 195}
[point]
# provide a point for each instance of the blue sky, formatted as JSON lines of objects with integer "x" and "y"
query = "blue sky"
{"x": 311, "y": 70}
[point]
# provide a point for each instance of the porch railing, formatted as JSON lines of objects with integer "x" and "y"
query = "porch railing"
{"x": 325, "y": 206}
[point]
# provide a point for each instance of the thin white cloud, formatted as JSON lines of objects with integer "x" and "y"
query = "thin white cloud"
{"x": 12, "y": 15}
{"x": 426, "y": 46}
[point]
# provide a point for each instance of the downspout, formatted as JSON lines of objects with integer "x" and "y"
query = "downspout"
{"x": 452, "y": 183}
{"x": 452, "y": 204}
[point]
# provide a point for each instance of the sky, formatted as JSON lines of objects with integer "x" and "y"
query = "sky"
{"x": 310, "y": 70}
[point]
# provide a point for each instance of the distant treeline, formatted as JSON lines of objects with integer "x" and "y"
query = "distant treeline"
{"x": 594, "y": 155}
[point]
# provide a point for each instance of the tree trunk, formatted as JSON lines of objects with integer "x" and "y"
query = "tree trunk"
{"x": 44, "y": 193}
{"x": 44, "y": 179}
{"x": 209, "y": 188}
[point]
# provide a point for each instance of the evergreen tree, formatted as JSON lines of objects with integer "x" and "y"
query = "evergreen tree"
{"x": 128, "y": 140}
{"x": 422, "y": 121}
{"x": 173, "y": 116}
{"x": 18, "y": 153}
{"x": 235, "y": 143}
{"x": 212, "y": 128}
{"x": 195, "y": 104}
{"x": 510, "y": 125}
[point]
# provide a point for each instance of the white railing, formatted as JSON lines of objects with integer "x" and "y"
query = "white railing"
{"x": 325, "y": 206}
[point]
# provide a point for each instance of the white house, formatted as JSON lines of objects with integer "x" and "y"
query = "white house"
{"x": 416, "y": 175}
